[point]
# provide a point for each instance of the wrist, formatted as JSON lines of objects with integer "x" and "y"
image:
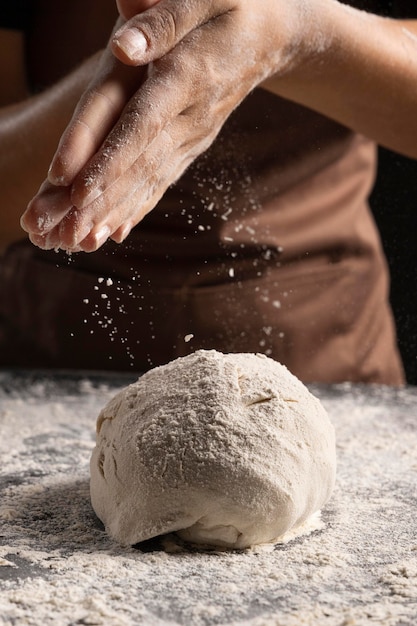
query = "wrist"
{"x": 303, "y": 49}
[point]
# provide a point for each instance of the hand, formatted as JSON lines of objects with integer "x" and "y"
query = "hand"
{"x": 137, "y": 128}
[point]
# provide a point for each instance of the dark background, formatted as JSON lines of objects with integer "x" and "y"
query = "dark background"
{"x": 394, "y": 204}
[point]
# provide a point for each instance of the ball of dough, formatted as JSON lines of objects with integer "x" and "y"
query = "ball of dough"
{"x": 226, "y": 449}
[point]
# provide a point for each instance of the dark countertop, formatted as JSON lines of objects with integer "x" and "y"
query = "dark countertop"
{"x": 57, "y": 566}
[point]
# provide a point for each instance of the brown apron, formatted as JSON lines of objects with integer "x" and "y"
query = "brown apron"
{"x": 266, "y": 244}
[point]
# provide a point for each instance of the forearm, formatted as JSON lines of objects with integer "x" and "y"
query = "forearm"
{"x": 361, "y": 71}
{"x": 29, "y": 134}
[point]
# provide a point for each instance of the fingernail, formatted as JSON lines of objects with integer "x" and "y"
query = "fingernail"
{"x": 125, "y": 232}
{"x": 101, "y": 235}
{"x": 92, "y": 195}
{"x": 42, "y": 242}
{"x": 122, "y": 233}
{"x": 58, "y": 181}
{"x": 132, "y": 42}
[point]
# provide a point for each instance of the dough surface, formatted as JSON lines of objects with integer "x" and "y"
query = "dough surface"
{"x": 226, "y": 449}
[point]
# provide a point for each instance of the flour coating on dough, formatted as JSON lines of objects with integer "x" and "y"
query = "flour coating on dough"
{"x": 225, "y": 449}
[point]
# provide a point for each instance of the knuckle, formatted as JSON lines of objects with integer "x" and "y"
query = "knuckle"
{"x": 138, "y": 110}
{"x": 160, "y": 25}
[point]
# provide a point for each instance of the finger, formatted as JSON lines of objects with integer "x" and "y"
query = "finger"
{"x": 46, "y": 209}
{"x": 41, "y": 241}
{"x": 150, "y": 35}
{"x": 105, "y": 215}
{"x": 146, "y": 202}
{"x": 95, "y": 115}
{"x": 126, "y": 203}
{"x": 53, "y": 221}
{"x": 121, "y": 233}
{"x": 149, "y": 111}
{"x": 50, "y": 241}
{"x": 96, "y": 236}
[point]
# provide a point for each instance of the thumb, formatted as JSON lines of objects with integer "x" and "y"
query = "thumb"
{"x": 149, "y": 35}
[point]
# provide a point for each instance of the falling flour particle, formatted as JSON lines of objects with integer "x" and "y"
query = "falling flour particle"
{"x": 188, "y": 338}
{"x": 227, "y": 450}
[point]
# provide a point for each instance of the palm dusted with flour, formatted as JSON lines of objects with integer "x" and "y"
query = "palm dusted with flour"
{"x": 172, "y": 74}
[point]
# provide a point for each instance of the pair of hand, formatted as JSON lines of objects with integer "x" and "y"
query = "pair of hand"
{"x": 171, "y": 75}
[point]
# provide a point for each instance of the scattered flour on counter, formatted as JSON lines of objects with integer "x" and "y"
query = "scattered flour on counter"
{"x": 228, "y": 450}
{"x": 59, "y": 568}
